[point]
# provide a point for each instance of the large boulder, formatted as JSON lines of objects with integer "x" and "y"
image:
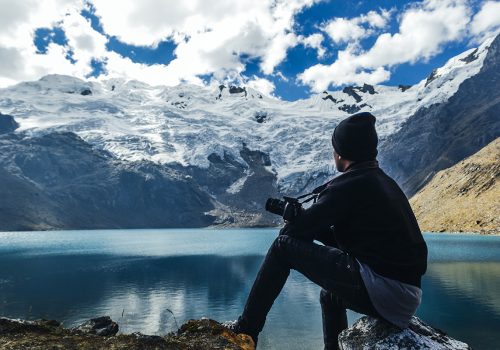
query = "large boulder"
{"x": 103, "y": 326}
{"x": 373, "y": 333}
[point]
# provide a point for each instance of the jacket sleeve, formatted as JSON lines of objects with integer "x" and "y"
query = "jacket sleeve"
{"x": 331, "y": 207}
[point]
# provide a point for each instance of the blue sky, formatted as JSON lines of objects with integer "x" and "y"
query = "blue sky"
{"x": 290, "y": 49}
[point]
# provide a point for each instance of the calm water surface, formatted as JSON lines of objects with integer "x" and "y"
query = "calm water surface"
{"x": 153, "y": 280}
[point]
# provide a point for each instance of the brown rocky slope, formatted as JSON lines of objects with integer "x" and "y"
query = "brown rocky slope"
{"x": 463, "y": 198}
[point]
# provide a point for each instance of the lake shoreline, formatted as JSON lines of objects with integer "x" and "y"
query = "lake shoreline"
{"x": 215, "y": 228}
{"x": 102, "y": 333}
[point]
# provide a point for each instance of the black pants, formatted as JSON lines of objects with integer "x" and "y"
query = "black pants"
{"x": 332, "y": 269}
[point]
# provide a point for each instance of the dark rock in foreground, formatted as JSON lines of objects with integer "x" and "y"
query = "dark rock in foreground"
{"x": 372, "y": 333}
{"x": 103, "y": 326}
{"x": 99, "y": 333}
{"x": 209, "y": 334}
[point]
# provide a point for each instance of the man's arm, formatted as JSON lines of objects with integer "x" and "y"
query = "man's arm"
{"x": 332, "y": 205}
{"x": 326, "y": 237}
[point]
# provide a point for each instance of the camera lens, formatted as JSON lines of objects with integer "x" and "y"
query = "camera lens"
{"x": 275, "y": 206}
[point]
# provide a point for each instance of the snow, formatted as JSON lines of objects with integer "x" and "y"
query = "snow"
{"x": 184, "y": 124}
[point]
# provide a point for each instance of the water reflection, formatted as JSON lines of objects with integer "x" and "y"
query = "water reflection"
{"x": 153, "y": 294}
{"x": 478, "y": 281}
{"x": 138, "y": 285}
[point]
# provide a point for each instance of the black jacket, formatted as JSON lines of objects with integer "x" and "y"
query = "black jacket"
{"x": 364, "y": 213}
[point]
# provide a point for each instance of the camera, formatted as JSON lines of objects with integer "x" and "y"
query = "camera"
{"x": 289, "y": 208}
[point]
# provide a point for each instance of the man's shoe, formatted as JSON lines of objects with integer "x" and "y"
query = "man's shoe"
{"x": 236, "y": 327}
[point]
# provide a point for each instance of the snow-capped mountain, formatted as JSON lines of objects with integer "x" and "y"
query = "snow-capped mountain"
{"x": 231, "y": 147}
{"x": 185, "y": 124}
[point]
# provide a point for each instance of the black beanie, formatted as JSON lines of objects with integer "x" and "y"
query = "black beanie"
{"x": 355, "y": 138}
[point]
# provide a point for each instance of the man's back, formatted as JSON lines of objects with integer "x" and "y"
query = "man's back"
{"x": 376, "y": 224}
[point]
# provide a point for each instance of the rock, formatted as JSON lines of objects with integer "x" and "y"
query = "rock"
{"x": 260, "y": 116}
{"x": 86, "y": 92}
{"x": 210, "y": 334}
{"x": 470, "y": 57}
{"x": 351, "y": 91}
{"x": 237, "y": 90}
{"x": 351, "y": 109}
{"x": 368, "y": 88}
{"x": 331, "y": 98}
{"x": 103, "y": 326}
{"x": 372, "y": 333}
{"x": 10, "y": 326}
{"x": 403, "y": 88}
{"x": 154, "y": 341}
{"x": 7, "y": 123}
{"x": 431, "y": 77}
{"x": 44, "y": 334}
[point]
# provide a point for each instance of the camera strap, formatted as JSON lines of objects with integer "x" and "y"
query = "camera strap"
{"x": 313, "y": 196}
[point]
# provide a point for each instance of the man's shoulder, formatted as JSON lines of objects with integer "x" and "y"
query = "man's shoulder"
{"x": 359, "y": 175}
{"x": 363, "y": 181}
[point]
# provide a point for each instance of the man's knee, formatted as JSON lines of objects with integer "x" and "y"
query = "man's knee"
{"x": 280, "y": 243}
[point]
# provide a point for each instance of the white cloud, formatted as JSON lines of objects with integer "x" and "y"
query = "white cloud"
{"x": 342, "y": 30}
{"x": 210, "y": 35}
{"x": 424, "y": 29}
{"x": 314, "y": 41}
{"x": 18, "y": 20}
{"x": 86, "y": 44}
{"x": 281, "y": 76}
{"x": 265, "y": 86}
{"x": 12, "y": 62}
{"x": 157, "y": 74}
{"x": 486, "y": 22}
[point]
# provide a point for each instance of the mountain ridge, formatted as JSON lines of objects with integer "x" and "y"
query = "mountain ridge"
{"x": 439, "y": 136}
{"x": 187, "y": 123}
{"x": 464, "y": 197}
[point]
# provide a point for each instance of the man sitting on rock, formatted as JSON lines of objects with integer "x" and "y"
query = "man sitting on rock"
{"x": 373, "y": 255}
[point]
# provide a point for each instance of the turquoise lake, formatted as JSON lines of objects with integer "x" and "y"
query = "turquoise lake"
{"x": 153, "y": 280}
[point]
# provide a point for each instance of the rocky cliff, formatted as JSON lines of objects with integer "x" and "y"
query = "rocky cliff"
{"x": 441, "y": 135}
{"x": 464, "y": 197}
{"x": 60, "y": 181}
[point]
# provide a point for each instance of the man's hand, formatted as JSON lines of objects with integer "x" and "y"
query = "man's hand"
{"x": 285, "y": 228}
